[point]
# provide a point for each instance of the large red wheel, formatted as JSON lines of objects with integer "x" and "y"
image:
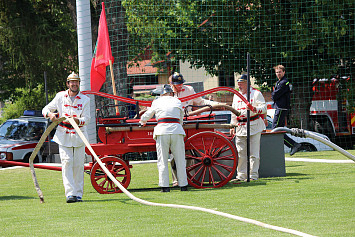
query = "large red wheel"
{"x": 211, "y": 160}
{"x": 117, "y": 167}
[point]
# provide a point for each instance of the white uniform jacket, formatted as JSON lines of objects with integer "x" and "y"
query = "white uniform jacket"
{"x": 256, "y": 122}
{"x": 189, "y": 90}
{"x": 165, "y": 107}
{"x": 65, "y": 134}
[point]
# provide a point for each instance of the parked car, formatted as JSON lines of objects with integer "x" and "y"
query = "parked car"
{"x": 308, "y": 144}
{"x": 19, "y": 137}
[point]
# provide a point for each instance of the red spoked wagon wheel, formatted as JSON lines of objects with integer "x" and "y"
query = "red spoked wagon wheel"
{"x": 118, "y": 168}
{"x": 211, "y": 160}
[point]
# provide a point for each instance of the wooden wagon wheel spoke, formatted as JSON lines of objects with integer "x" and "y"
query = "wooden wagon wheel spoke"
{"x": 211, "y": 147}
{"x": 202, "y": 172}
{"x": 211, "y": 177}
{"x": 226, "y": 167}
{"x": 194, "y": 158}
{"x": 215, "y": 159}
{"x": 220, "y": 174}
{"x": 102, "y": 183}
{"x": 194, "y": 166}
{"x": 197, "y": 150}
{"x": 118, "y": 168}
{"x": 226, "y": 157}
{"x": 219, "y": 150}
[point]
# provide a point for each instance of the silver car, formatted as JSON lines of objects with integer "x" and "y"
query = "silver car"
{"x": 19, "y": 137}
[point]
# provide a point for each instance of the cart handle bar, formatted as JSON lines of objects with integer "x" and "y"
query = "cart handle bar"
{"x": 155, "y": 123}
{"x": 183, "y": 99}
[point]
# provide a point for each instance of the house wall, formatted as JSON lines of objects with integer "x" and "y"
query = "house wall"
{"x": 201, "y": 75}
{"x": 198, "y": 75}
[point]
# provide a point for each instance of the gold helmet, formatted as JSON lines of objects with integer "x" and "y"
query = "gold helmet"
{"x": 73, "y": 77}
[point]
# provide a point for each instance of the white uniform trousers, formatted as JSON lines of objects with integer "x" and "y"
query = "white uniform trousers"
{"x": 174, "y": 142}
{"x": 241, "y": 144}
{"x": 73, "y": 159}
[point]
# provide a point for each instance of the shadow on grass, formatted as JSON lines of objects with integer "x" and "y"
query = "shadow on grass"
{"x": 290, "y": 176}
{"x": 7, "y": 198}
{"x": 242, "y": 184}
{"x": 293, "y": 166}
{"x": 193, "y": 189}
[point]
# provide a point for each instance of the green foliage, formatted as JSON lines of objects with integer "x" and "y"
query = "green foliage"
{"x": 25, "y": 99}
{"x": 307, "y": 33}
{"x": 147, "y": 97}
{"x": 35, "y": 36}
{"x": 223, "y": 93}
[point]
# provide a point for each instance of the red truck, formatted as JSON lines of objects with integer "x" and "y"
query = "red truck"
{"x": 330, "y": 112}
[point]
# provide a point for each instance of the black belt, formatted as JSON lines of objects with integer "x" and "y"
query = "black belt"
{"x": 252, "y": 118}
{"x": 66, "y": 125}
{"x": 168, "y": 120}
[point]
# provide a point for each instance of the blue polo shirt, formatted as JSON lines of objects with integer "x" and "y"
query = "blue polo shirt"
{"x": 281, "y": 94}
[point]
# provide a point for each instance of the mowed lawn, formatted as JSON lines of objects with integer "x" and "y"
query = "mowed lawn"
{"x": 314, "y": 198}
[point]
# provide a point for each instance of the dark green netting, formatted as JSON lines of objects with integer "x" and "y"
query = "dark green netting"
{"x": 208, "y": 41}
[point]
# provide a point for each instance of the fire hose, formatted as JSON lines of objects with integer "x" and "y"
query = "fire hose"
{"x": 35, "y": 152}
{"x": 77, "y": 129}
{"x": 304, "y": 133}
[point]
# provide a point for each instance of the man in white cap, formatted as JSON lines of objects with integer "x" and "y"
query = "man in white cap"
{"x": 177, "y": 81}
{"x": 180, "y": 90}
{"x": 70, "y": 103}
{"x": 169, "y": 135}
{"x": 257, "y": 125}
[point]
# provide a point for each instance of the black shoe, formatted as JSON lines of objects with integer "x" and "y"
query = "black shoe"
{"x": 78, "y": 199}
{"x": 183, "y": 188}
{"x": 71, "y": 199}
{"x": 165, "y": 189}
{"x": 295, "y": 148}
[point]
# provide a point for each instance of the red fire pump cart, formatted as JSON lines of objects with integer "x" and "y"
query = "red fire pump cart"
{"x": 212, "y": 154}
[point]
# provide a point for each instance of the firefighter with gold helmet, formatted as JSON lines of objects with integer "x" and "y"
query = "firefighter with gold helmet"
{"x": 70, "y": 103}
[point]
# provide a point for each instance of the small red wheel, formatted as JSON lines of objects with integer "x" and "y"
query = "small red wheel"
{"x": 118, "y": 168}
{"x": 211, "y": 160}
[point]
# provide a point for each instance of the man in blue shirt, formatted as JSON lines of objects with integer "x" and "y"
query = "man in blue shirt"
{"x": 281, "y": 98}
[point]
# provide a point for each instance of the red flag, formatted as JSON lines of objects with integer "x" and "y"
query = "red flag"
{"x": 102, "y": 54}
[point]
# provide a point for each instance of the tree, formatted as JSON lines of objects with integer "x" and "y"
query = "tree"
{"x": 310, "y": 38}
{"x": 27, "y": 99}
{"x": 35, "y": 36}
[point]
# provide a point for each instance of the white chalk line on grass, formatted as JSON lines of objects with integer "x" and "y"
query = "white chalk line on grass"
{"x": 247, "y": 220}
{"x": 320, "y": 160}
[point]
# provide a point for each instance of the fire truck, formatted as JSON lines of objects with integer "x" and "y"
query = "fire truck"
{"x": 330, "y": 113}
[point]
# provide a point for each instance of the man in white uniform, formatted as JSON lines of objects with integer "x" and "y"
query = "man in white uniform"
{"x": 180, "y": 90}
{"x": 70, "y": 103}
{"x": 169, "y": 135}
{"x": 257, "y": 125}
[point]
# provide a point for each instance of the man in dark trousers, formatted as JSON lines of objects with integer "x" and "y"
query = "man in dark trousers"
{"x": 281, "y": 98}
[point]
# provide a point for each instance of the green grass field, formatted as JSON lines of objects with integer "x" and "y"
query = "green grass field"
{"x": 314, "y": 198}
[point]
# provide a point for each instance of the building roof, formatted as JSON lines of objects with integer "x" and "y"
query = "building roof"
{"x": 143, "y": 67}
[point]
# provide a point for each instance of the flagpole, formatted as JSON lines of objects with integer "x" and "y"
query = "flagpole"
{"x": 114, "y": 87}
